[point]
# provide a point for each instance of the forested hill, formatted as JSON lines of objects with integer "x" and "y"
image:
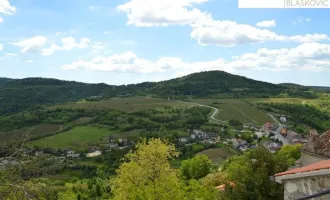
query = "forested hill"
{"x": 3, "y": 81}
{"x": 216, "y": 83}
{"x": 21, "y": 94}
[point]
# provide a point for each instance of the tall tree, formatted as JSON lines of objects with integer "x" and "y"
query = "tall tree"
{"x": 147, "y": 174}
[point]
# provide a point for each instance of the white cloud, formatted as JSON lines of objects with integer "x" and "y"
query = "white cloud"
{"x": 300, "y": 20}
{"x": 1, "y": 47}
{"x": 68, "y": 43}
{"x": 10, "y": 55}
{"x": 37, "y": 45}
{"x": 98, "y": 46}
{"x": 161, "y": 13}
{"x": 28, "y": 61}
{"x": 205, "y": 29}
{"x": 229, "y": 33}
{"x": 266, "y": 24}
{"x": 1, "y": 20}
{"x": 307, "y": 56}
{"x": 6, "y": 8}
{"x": 32, "y": 45}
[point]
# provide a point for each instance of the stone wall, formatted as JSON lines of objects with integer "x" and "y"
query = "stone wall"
{"x": 301, "y": 187}
{"x": 307, "y": 158}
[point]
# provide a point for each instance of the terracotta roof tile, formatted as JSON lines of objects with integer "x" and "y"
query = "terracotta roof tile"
{"x": 324, "y": 147}
{"x": 325, "y": 164}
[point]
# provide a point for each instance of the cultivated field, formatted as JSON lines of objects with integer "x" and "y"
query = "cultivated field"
{"x": 33, "y": 131}
{"x": 78, "y": 138}
{"x": 217, "y": 155}
{"x": 130, "y": 104}
{"x": 235, "y": 109}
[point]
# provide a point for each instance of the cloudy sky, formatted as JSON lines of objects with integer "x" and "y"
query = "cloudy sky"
{"x": 130, "y": 41}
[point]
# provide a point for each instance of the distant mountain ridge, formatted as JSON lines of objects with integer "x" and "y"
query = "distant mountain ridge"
{"x": 21, "y": 94}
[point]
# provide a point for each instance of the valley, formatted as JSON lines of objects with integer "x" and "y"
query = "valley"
{"x": 74, "y": 137}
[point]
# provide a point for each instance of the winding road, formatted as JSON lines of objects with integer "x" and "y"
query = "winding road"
{"x": 277, "y": 132}
{"x": 212, "y": 116}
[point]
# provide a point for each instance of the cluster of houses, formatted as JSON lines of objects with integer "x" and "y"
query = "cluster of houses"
{"x": 121, "y": 143}
{"x": 201, "y": 136}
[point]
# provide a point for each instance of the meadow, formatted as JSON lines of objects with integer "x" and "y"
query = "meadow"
{"x": 217, "y": 155}
{"x": 129, "y": 104}
{"x": 78, "y": 138}
{"x": 235, "y": 109}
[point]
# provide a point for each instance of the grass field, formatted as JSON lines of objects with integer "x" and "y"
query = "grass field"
{"x": 38, "y": 130}
{"x": 77, "y": 138}
{"x": 217, "y": 155}
{"x": 235, "y": 109}
{"x": 130, "y": 104}
{"x": 280, "y": 100}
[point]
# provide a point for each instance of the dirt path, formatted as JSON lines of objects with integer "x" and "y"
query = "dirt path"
{"x": 214, "y": 113}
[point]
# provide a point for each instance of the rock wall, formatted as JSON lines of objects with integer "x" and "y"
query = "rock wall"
{"x": 301, "y": 187}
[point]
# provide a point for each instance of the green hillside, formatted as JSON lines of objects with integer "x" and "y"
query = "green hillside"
{"x": 22, "y": 94}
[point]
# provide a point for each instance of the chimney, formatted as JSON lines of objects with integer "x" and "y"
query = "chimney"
{"x": 313, "y": 140}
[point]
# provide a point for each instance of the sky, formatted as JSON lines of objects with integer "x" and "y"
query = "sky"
{"x": 131, "y": 41}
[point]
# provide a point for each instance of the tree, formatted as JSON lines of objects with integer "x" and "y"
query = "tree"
{"x": 196, "y": 167}
{"x": 236, "y": 124}
{"x": 250, "y": 173}
{"x": 146, "y": 173}
{"x": 288, "y": 154}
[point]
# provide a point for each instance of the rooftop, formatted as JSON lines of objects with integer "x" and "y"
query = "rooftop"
{"x": 325, "y": 164}
{"x": 324, "y": 148}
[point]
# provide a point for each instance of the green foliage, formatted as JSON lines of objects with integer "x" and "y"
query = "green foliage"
{"x": 288, "y": 154}
{"x": 196, "y": 167}
{"x": 301, "y": 114}
{"x": 147, "y": 174}
{"x": 250, "y": 173}
{"x": 236, "y": 124}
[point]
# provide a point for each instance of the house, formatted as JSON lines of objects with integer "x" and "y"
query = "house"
{"x": 183, "y": 139}
{"x": 38, "y": 153}
{"x": 294, "y": 137}
{"x": 272, "y": 146}
{"x": 306, "y": 181}
{"x": 283, "y": 119}
{"x": 72, "y": 154}
{"x": 316, "y": 149}
{"x": 94, "y": 154}
{"x": 113, "y": 145}
{"x": 268, "y": 127}
{"x": 284, "y": 131}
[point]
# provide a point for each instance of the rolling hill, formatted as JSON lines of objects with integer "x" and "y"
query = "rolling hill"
{"x": 21, "y": 94}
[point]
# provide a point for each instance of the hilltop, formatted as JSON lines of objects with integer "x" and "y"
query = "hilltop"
{"x": 20, "y": 94}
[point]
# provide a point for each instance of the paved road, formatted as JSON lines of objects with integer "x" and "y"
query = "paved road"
{"x": 277, "y": 132}
{"x": 214, "y": 113}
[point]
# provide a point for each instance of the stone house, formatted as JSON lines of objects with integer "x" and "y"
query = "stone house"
{"x": 183, "y": 140}
{"x": 306, "y": 181}
{"x": 316, "y": 149}
{"x": 283, "y": 119}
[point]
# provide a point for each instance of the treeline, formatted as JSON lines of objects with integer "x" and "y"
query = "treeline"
{"x": 31, "y": 93}
{"x": 147, "y": 173}
{"x": 300, "y": 114}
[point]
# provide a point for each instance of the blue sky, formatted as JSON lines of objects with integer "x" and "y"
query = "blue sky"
{"x": 130, "y": 41}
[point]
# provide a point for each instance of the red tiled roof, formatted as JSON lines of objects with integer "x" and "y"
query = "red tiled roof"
{"x": 324, "y": 148}
{"x": 325, "y": 164}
